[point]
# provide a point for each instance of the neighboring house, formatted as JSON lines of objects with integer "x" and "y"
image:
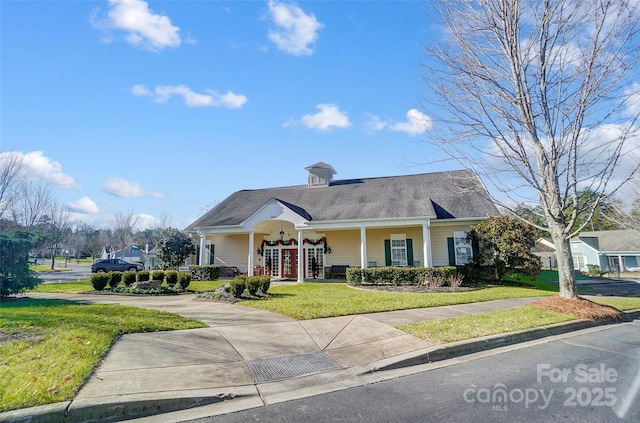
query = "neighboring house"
{"x": 617, "y": 250}
{"x": 410, "y": 220}
{"x": 545, "y": 249}
{"x": 131, "y": 253}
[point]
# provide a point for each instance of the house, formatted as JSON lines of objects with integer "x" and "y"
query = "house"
{"x": 289, "y": 232}
{"x": 617, "y": 250}
{"x": 131, "y": 253}
{"x": 545, "y": 249}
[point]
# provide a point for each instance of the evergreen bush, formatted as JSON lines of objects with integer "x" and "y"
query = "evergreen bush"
{"x": 143, "y": 276}
{"x": 184, "y": 279}
{"x": 99, "y": 281}
{"x": 129, "y": 278}
{"x": 172, "y": 277}
{"x": 114, "y": 278}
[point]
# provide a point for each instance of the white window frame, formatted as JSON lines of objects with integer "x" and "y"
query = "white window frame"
{"x": 462, "y": 248}
{"x": 274, "y": 254}
{"x": 318, "y": 253}
{"x": 398, "y": 245}
{"x": 577, "y": 258}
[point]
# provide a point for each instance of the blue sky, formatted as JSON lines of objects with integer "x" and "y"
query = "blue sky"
{"x": 164, "y": 108}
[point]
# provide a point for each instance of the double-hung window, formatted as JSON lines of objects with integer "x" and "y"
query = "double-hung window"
{"x": 462, "y": 248}
{"x": 398, "y": 251}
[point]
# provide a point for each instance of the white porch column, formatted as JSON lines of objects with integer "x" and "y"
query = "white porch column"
{"x": 250, "y": 259}
{"x": 426, "y": 243}
{"x": 300, "y": 257}
{"x": 620, "y": 264}
{"x": 363, "y": 248}
{"x": 203, "y": 245}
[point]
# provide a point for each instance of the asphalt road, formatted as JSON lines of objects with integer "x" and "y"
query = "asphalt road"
{"x": 589, "y": 377}
{"x": 75, "y": 273}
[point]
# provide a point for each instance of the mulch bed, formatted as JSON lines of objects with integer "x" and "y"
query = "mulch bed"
{"x": 580, "y": 308}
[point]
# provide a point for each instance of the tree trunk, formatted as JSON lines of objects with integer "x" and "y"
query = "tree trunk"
{"x": 566, "y": 273}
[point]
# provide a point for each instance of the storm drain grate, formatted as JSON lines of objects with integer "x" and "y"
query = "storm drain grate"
{"x": 270, "y": 369}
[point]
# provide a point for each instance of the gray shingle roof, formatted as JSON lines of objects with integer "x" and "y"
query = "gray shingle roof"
{"x": 611, "y": 241}
{"x": 454, "y": 194}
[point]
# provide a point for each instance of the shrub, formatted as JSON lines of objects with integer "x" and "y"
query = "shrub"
{"x": 238, "y": 285}
{"x": 253, "y": 285}
{"x": 397, "y": 275}
{"x": 595, "y": 271}
{"x": 143, "y": 276}
{"x": 157, "y": 275}
{"x": 129, "y": 278}
{"x": 114, "y": 278}
{"x": 455, "y": 281}
{"x": 434, "y": 281}
{"x": 204, "y": 273}
{"x": 184, "y": 279}
{"x": 99, "y": 281}
{"x": 265, "y": 283}
{"x": 172, "y": 277}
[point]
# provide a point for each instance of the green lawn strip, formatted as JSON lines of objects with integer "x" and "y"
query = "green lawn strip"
{"x": 85, "y": 286}
{"x": 547, "y": 280}
{"x": 621, "y": 303}
{"x": 455, "y": 329}
{"x": 316, "y": 300}
{"x": 68, "y": 340}
{"x": 65, "y": 287}
{"x": 202, "y": 286}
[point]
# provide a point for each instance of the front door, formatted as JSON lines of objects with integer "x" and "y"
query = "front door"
{"x": 289, "y": 263}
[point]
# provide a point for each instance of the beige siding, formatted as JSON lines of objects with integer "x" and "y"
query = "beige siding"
{"x": 376, "y": 238}
{"x": 439, "y": 235}
{"x": 231, "y": 250}
{"x": 345, "y": 247}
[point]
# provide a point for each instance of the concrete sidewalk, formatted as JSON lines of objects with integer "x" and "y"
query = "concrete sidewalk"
{"x": 248, "y": 358}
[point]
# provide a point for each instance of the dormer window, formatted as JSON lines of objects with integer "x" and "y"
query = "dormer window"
{"x": 320, "y": 175}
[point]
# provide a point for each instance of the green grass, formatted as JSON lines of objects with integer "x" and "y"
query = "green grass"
{"x": 66, "y": 287}
{"x": 455, "y": 329}
{"x": 69, "y": 339}
{"x": 85, "y": 286}
{"x": 621, "y": 303}
{"x": 547, "y": 280}
{"x": 312, "y": 301}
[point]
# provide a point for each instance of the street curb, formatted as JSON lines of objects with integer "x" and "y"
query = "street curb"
{"x": 144, "y": 405}
{"x": 461, "y": 348}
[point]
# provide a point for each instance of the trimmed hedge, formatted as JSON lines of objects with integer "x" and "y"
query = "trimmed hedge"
{"x": 114, "y": 278}
{"x": 157, "y": 275}
{"x": 99, "y": 281}
{"x": 143, "y": 276}
{"x": 204, "y": 273}
{"x": 238, "y": 285}
{"x": 397, "y": 275}
{"x": 129, "y": 278}
{"x": 184, "y": 279}
{"x": 171, "y": 277}
{"x": 253, "y": 284}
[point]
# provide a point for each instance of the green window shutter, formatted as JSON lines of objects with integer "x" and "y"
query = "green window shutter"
{"x": 452, "y": 251}
{"x": 197, "y": 254}
{"x": 475, "y": 248}
{"x": 212, "y": 255}
{"x": 387, "y": 252}
{"x": 409, "y": 252}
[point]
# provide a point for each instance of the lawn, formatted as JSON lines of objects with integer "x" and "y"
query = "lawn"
{"x": 85, "y": 286}
{"x": 621, "y": 303}
{"x": 51, "y": 347}
{"x": 483, "y": 324}
{"x": 547, "y": 280}
{"x": 316, "y": 300}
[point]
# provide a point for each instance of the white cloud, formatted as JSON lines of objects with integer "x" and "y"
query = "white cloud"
{"x": 417, "y": 123}
{"x": 39, "y": 166}
{"x": 211, "y": 98}
{"x": 328, "y": 117}
{"x": 374, "y": 124}
{"x": 143, "y": 27}
{"x": 84, "y": 205}
{"x": 120, "y": 187}
{"x": 295, "y": 30}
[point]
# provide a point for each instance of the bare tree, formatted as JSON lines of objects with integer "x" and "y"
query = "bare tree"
{"x": 626, "y": 213}
{"x": 125, "y": 226}
{"x": 537, "y": 96}
{"x": 31, "y": 203}
{"x": 11, "y": 173}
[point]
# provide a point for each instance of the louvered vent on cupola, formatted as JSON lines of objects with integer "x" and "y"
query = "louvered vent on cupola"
{"x": 320, "y": 175}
